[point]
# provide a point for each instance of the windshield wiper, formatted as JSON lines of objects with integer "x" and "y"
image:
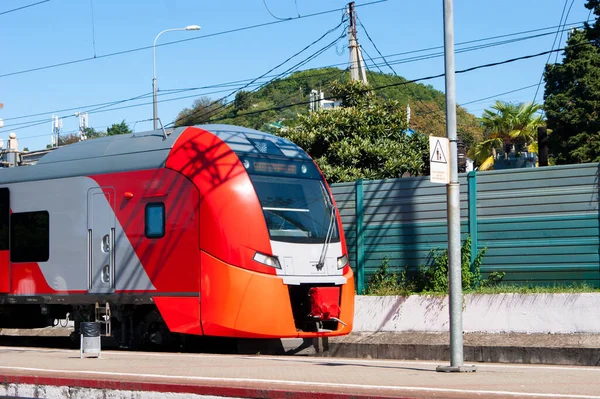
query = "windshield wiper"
{"x": 328, "y": 237}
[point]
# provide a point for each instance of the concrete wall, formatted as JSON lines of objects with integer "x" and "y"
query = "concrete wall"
{"x": 499, "y": 313}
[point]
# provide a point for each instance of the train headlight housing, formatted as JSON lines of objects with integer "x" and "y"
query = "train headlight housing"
{"x": 342, "y": 261}
{"x": 267, "y": 260}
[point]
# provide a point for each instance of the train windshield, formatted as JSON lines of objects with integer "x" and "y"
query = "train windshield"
{"x": 296, "y": 208}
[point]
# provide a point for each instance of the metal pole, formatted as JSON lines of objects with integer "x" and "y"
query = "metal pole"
{"x": 154, "y": 85}
{"x": 453, "y": 198}
{"x": 154, "y": 104}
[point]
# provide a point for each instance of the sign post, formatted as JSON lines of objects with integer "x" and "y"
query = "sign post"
{"x": 455, "y": 298}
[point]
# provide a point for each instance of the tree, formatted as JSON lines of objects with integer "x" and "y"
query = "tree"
{"x": 274, "y": 103}
{"x": 69, "y": 138}
{"x": 366, "y": 139}
{"x": 507, "y": 126}
{"x": 118, "y": 128}
{"x": 429, "y": 118}
{"x": 201, "y": 110}
{"x": 92, "y": 133}
{"x": 572, "y": 96}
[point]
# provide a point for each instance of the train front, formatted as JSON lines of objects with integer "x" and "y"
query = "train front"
{"x": 274, "y": 262}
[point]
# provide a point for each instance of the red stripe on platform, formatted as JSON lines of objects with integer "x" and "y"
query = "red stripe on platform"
{"x": 249, "y": 393}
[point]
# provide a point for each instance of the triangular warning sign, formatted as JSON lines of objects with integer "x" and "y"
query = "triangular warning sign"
{"x": 438, "y": 155}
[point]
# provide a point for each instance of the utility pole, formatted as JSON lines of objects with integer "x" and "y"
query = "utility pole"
{"x": 357, "y": 64}
{"x": 453, "y": 204}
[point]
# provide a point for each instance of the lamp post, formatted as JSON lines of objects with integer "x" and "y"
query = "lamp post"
{"x": 154, "y": 87}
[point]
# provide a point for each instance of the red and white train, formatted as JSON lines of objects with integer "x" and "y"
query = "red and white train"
{"x": 211, "y": 230}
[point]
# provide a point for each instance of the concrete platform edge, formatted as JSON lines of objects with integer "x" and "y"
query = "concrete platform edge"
{"x": 487, "y": 354}
{"x": 37, "y": 387}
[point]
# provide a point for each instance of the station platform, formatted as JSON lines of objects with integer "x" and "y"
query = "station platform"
{"x": 60, "y": 373}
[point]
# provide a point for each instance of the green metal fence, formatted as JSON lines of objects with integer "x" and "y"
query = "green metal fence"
{"x": 539, "y": 225}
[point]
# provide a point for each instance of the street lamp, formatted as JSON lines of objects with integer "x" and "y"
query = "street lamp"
{"x": 154, "y": 87}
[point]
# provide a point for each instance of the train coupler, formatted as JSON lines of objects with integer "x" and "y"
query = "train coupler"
{"x": 324, "y": 303}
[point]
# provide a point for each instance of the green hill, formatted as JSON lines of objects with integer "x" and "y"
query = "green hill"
{"x": 271, "y": 106}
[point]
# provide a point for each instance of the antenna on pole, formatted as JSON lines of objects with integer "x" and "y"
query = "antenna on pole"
{"x": 83, "y": 124}
{"x": 57, "y": 124}
{"x": 357, "y": 64}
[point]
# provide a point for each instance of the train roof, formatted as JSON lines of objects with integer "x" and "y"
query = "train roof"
{"x": 139, "y": 151}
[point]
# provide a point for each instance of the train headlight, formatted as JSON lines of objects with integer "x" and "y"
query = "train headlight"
{"x": 267, "y": 260}
{"x": 342, "y": 261}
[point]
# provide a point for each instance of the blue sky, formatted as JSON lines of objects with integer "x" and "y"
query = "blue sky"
{"x": 58, "y": 31}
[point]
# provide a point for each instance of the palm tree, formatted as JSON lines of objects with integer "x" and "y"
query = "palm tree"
{"x": 507, "y": 124}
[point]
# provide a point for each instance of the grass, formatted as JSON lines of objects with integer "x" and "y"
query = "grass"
{"x": 496, "y": 289}
{"x": 531, "y": 289}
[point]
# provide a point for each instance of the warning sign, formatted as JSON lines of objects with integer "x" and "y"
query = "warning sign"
{"x": 439, "y": 154}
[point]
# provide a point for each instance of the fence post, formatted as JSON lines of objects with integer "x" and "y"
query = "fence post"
{"x": 360, "y": 238}
{"x": 472, "y": 179}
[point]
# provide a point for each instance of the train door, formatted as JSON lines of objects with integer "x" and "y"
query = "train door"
{"x": 101, "y": 240}
{"x": 4, "y": 240}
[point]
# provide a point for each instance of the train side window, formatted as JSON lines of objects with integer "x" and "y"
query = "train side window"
{"x": 155, "y": 220}
{"x": 30, "y": 236}
{"x": 4, "y": 218}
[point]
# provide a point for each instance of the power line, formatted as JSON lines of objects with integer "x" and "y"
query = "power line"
{"x": 23, "y": 7}
{"x": 406, "y": 60}
{"x": 164, "y": 92}
{"x": 77, "y": 61}
{"x": 93, "y": 28}
{"x": 232, "y": 83}
{"x": 487, "y": 39}
{"x": 213, "y": 111}
{"x": 390, "y": 67}
{"x": 551, "y": 48}
{"x": 273, "y": 15}
{"x": 223, "y": 85}
{"x": 463, "y": 50}
{"x": 562, "y": 31}
{"x": 269, "y": 71}
{"x": 498, "y": 95}
{"x": 435, "y": 55}
{"x": 489, "y": 65}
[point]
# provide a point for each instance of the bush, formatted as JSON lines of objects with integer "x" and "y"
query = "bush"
{"x": 433, "y": 276}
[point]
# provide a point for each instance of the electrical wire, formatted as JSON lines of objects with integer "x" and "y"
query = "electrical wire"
{"x": 234, "y": 83}
{"x": 551, "y": 48}
{"x": 488, "y": 65}
{"x": 85, "y": 59}
{"x": 225, "y": 104}
{"x": 296, "y": 3}
{"x": 562, "y": 31}
{"x": 263, "y": 75}
{"x": 485, "y": 39}
{"x": 23, "y": 7}
{"x": 93, "y": 28}
{"x": 163, "y": 92}
{"x": 273, "y": 15}
{"x": 412, "y": 93}
{"x": 497, "y": 95}
{"x": 429, "y": 56}
{"x": 401, "y": 61}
